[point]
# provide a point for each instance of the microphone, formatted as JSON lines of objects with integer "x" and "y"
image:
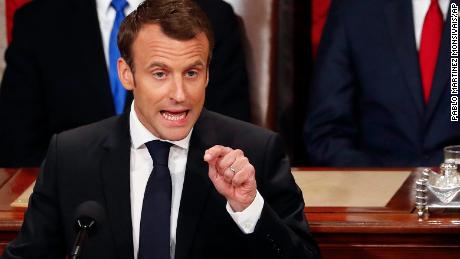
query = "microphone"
{"x": 88, "y": 215}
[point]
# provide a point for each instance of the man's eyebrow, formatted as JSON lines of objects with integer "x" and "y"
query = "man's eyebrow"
{"x": 158, "y": 64}
{"x": 196, "y": 63}
{"x": 163, "y": 65}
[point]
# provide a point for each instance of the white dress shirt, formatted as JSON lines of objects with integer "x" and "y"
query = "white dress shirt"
{"x": 141, "y": 166}
{"x": 106, "y": 16}
{"x": 419, "y": 10}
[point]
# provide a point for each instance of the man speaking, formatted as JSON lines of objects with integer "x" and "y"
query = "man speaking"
{"x": 172, "y": 180}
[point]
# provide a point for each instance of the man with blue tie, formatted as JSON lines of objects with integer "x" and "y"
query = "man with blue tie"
{"x": 54, "y": 43}
{"x": 172, "y": 179}
{"x": 118, "y": 92}
{"x": 381, "y": 93}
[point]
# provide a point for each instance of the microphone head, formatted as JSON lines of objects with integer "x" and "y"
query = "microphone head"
{"x": 89, "y": 216}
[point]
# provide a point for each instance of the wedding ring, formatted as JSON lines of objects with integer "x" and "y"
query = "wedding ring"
{"x": 232, "y": 169}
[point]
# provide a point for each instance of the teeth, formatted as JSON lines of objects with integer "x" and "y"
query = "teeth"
{"x": 173, "y": 117}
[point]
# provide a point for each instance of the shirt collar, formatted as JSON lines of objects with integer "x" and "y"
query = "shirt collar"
{"x": 141, "y": 135}
{"x": 443, "y": 4}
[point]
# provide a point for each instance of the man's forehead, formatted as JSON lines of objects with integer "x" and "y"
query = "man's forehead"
{"x": 152, "y": 39}
{"x": 154, "y": 33}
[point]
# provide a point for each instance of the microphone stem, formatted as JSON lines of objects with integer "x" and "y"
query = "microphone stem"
{"x": 81, "y": 237}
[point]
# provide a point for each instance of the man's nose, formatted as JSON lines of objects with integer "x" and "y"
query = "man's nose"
{"x": 178, "y": 90}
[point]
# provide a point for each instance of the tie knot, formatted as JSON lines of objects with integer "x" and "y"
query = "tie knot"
{"x": 159, "y": 151}
{"x": 119, "y": 5}
{"x": 435, "y": 2}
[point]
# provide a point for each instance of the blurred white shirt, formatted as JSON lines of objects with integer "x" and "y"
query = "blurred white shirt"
{"x": 106, "y": 16}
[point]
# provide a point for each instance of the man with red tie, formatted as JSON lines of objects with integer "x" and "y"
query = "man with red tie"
{"x": 381, "y": 92}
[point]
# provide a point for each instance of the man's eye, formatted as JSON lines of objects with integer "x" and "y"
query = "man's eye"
{"x": 191, "y": 73}
{"x": 159, "y": 75}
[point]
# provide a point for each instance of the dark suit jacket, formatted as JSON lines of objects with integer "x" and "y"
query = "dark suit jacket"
{"x": 56, "y": 76}
{"x": 92, "y": 163}
{"x": 366, "y": 101}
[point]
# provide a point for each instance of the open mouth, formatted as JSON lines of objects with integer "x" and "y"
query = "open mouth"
{"x": 174, "y": 115}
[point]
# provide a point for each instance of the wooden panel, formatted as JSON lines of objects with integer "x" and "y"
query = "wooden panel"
{"x": 406, "y": 252}
{"x": 11, "y": 218}
{"x": 6, "y": 174}
{"x": 392, "y": 231}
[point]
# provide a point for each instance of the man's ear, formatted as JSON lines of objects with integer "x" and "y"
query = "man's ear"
{"x": 125, "y": 74}
{"x": 207, "y": 77}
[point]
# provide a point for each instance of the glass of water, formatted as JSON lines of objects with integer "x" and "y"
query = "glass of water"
{"x": 452, "y": 155}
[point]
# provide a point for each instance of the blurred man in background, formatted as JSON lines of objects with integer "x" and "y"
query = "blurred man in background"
{"x": 61, "y": 72}
{"x": 381, "y": 92}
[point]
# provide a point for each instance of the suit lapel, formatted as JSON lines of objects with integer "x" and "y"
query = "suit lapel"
{"x": 399, "y": 19}
{"x": 115, "y": 174}
{"x": 441, "y": 76}
{"x": 87, "y": 46}
{"x": 196, "y": 188}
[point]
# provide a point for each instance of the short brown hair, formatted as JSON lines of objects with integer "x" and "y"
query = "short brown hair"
{"x": 178, "y": 19}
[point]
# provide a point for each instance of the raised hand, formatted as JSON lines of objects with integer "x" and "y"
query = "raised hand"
{"x": 233, "y": 176}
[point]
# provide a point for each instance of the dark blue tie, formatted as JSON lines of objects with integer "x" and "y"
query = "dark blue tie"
{"x": 155, "y": 234}
{"x": 118, "y": 92}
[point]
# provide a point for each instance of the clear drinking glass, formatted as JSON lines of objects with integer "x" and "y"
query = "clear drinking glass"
{"x": 446, "y": 185}
{"x": 452, "y": 155}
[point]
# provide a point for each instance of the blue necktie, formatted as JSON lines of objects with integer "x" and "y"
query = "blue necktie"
{"x": 155, "y": 225}
{"x": 118, "y": 92}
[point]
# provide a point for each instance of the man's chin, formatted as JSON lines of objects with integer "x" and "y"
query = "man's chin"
{"x": 176, "y": 134}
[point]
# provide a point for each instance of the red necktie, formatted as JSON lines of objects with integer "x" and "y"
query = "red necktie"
{"x": 429, "y": 46}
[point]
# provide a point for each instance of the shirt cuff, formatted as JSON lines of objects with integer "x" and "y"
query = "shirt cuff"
{"x": 247, "y": 219}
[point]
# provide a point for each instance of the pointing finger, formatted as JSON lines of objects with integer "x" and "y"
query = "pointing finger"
{"x": 216, "y": 152}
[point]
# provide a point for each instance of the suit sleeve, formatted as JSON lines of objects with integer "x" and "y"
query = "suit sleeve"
{"x": 282, "y": 230}
{"x": 23, "y": 131}
{"x": 331, "y": 131}
{"x": 41, "y": 234}
{"x": 228, "y": 89}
